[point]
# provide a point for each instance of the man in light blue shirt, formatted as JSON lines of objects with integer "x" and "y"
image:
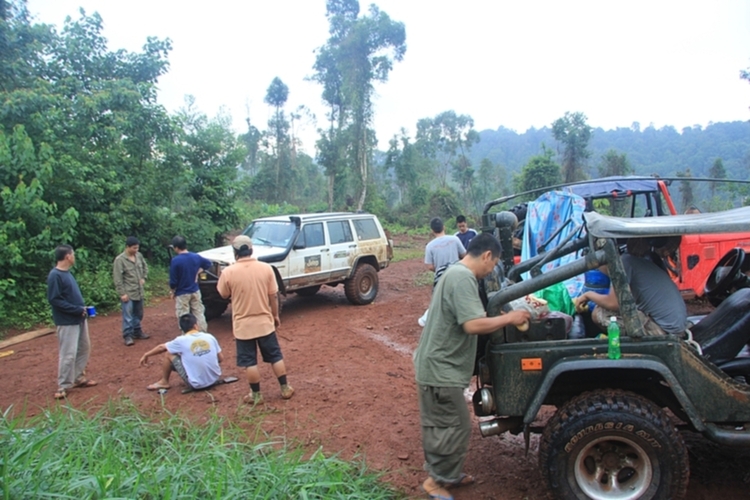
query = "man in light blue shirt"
{"x": 444, "y": 249}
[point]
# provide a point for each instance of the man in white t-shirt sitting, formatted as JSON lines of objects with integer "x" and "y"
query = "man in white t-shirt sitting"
{"x": 195, "y": 355}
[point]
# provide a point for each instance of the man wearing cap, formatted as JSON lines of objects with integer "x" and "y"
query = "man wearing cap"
{"x": 129, "y": 274}
{"x": 255, "y": 316}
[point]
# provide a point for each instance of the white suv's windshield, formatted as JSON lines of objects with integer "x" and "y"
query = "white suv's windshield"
{"x": 270, "y": 233}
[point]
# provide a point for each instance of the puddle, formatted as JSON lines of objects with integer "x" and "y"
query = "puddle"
{"x": 383, "y": 339}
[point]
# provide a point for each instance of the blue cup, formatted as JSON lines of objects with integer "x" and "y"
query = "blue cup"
{"x": 91, "y": 311}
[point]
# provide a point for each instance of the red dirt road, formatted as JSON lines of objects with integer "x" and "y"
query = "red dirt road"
{"x": 352, "y": 370}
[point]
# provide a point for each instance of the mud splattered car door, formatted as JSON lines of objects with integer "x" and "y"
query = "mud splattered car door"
{"x": 310, "y": 259}
{"x": 343, "y": 247}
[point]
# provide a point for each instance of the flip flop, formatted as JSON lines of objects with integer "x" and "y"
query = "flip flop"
{"x": 61, "y": 394}
{"x": 227, "y": 380}
{"x": 464, "y": 480}
{"x": 84, "y": 382}
{"x": 155, "y": 387}
{"x": 436, "y": 496}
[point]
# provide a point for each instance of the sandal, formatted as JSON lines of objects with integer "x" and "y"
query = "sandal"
{"x": 61, "y": 394}
{"x": 435, "y": 496}
{"x": 464, "y": 480}
{"x": 84, "y": 382}
{"x": 156, "y": 386}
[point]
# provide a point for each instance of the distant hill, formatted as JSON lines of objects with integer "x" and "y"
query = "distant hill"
{"x": 663, "y": 151}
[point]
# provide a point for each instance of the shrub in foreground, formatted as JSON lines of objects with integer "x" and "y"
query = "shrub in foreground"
{"x": 65, "y": 453}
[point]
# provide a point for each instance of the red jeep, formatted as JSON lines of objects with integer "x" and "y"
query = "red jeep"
{"x": 699, "y": 254}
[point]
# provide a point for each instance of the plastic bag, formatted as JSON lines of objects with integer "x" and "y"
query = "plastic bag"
{"x": 537, "y": 307}
{"x": 558, "y": 298}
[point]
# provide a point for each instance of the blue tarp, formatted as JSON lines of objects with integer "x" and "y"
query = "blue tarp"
{"x": 545, "y": 216}
{"x": 620, "y": 184}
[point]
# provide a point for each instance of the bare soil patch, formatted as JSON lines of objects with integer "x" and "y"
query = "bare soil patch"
{"x": 352, "y": 370}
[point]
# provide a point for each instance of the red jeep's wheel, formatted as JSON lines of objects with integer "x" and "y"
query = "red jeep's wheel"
{"x": 613, "y": 445}
{"x": 362, "y": 287}
{"x": 725, "y": 275}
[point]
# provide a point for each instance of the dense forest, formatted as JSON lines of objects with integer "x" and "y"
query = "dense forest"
{"x": 88, "y": 156}
{"x": 663, "y": 151}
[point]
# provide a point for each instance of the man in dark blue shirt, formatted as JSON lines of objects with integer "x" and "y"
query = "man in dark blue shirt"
{"x": 69, "y": 314}
{"x": 183, "y": 284}
{"x": 465, "y": 233}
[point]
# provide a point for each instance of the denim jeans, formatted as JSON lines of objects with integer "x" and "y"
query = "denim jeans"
{"x": 132, "y": 314}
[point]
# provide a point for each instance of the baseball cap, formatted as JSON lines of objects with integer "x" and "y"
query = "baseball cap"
{"x": 242, "y": 241}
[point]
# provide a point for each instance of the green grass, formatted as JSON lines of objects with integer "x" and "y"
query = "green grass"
{"x": 400, "y": 254}
{"x": 424, "y": 278}
{"x": 406, "y": 247}
{"x": 118, "y": 453}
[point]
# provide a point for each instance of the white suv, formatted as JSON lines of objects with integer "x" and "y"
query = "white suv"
{"x": 307, "y": 251}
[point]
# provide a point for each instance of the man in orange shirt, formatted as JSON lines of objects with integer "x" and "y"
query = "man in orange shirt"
{"x": 255, "y": 316}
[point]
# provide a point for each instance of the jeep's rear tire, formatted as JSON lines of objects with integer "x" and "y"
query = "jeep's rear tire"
{"x": 362, "y": 287}
{"x": 613, "y": 444}
{"x": 309, "y": 291}
{"x": 214, "y": 309}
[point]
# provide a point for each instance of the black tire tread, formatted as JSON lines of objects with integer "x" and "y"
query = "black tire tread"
{"x": 351, "y": 285}
{"x": 593, "y": 402}
{"x": 214, "y": 309}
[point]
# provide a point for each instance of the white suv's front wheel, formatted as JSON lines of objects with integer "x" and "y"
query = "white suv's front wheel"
{"x": 362, "y": 287}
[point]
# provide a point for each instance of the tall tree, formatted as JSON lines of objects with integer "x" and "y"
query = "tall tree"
{"x": 491, "y": 183}
{"x": 613, "y": 163}
{"x": 251, "y": 139}
{"x": 717, "y": 171}
{"x": 686, "y": 189}
{"x": 276, "y": 96}
{"x": 360, "y": 51}
{"x": 447, "y": 139}
{"x": 410, "y": 168}
{"x": 212, "y": 153}
{"x": 541, "y": 171}
{"x": 574, "y": 133}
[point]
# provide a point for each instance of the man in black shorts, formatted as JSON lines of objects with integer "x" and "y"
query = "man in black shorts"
{"x": 255, "y": 316}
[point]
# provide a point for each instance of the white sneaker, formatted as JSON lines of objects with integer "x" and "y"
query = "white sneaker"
{"x": 423, "y": 320}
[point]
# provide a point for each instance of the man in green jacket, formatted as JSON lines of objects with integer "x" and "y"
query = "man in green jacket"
{"x": 129, "y": 274}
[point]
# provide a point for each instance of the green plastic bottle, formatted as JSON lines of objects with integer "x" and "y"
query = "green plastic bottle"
{"x": 613, "y": 337}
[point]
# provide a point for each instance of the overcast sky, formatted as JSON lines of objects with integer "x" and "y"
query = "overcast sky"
{"x": 516, "y": 64}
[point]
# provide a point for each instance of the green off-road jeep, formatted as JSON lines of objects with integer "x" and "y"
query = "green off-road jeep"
{"x": 614, "y": 434}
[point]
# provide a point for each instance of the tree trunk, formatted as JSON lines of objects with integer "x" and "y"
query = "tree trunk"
{"x": 363, "y": 169}
{"x": 330, "y": 192}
